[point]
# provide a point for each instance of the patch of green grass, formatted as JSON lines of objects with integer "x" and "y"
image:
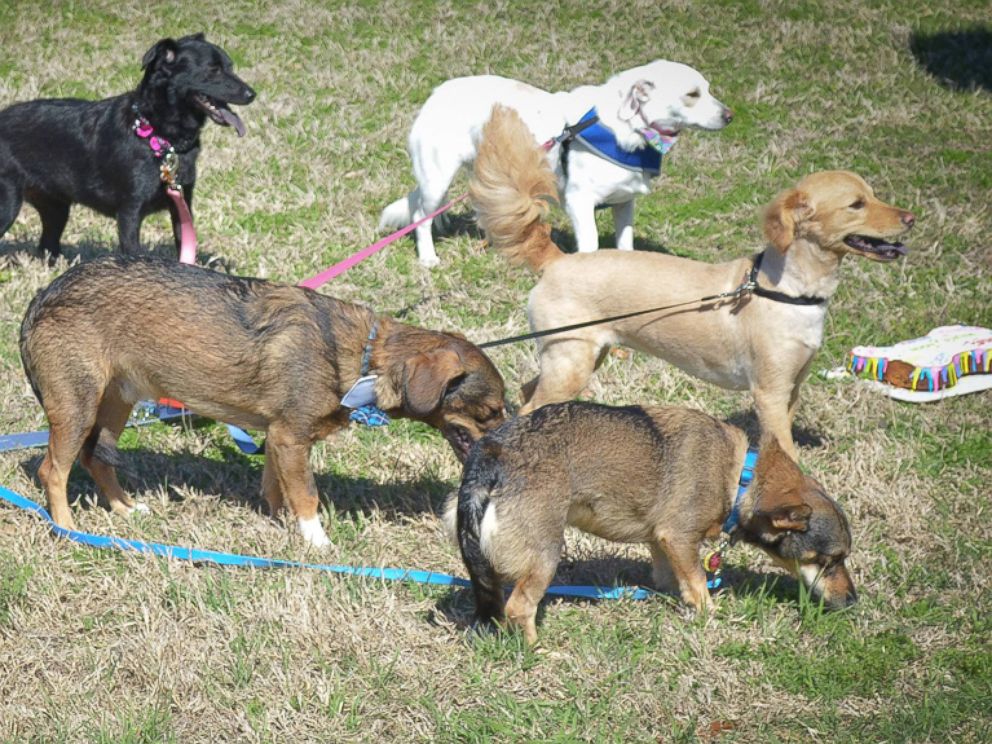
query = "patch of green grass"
{"x": 15, "y": 578}
{"x": 839, "y": 665}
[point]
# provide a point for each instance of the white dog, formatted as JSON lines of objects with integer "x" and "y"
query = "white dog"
{"x": 641, "y": 111}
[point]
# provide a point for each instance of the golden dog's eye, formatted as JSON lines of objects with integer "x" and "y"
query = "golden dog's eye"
{"x": 859, "y": 204}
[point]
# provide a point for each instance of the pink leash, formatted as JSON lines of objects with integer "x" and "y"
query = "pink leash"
{"x": 356, "y": 258}
{"x": 187, "y": 235}
{"x": 342, "y": 266}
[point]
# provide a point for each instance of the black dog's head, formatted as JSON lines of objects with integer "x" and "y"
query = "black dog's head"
{"x": 193, "y": 73}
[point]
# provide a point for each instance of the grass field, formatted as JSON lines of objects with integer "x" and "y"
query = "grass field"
{"x": 106, "y": 647}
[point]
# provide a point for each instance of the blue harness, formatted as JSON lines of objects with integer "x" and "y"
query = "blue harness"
{"x": 601, "y": 140}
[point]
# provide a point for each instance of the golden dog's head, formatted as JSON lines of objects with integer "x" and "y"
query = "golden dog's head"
{"x": 453, "y": 386}
{"x": 837, "y": 211}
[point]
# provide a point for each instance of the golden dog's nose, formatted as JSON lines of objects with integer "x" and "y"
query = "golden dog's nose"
{"x": 907, "y": 219}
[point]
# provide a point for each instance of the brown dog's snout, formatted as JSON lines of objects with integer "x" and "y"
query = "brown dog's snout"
{"x": 907, "y": 219}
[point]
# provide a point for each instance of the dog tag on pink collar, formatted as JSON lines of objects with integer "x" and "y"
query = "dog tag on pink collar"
{"x": 362, "y": 393}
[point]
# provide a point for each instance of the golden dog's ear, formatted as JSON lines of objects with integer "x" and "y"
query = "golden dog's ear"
{"x": 783, "y": 215}
{"x": 779, "y": 485}
{"x": 426, "y": 377}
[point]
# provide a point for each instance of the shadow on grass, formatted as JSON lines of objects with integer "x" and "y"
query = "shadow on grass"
{"x": 960, "y": 60}
{"x": 16, "y": 252}
{"x": 804, "y": 437}
{"x": 458, "y": 606}
{"x": 463, "y": 223}
{"x": 237, "y": 478}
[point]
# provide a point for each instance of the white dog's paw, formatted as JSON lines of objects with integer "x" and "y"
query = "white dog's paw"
{"x": 140, "y": 508}
{"x": 429, "y": 262}
{"x": 313, "y": 532}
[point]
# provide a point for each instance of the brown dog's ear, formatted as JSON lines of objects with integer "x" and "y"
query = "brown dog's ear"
{"x": 426, "y": 377}
{"x": 779, "y": 485}
{"x": 790, "y": 518}
{"x": 781, "y": 217}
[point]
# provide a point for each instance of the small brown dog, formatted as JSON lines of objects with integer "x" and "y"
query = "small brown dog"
{"x": 116, "y": 330}
{"x": 663, "y": 476}
{"x": 763, "y": 341}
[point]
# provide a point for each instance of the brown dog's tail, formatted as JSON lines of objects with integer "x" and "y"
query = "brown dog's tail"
{"x": 511, "y": 189}
{"x": 482, "y": 474}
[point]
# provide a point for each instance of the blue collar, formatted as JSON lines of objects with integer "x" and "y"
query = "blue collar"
{"x": 601, "y": 140}
{"x": 747, "y": 475}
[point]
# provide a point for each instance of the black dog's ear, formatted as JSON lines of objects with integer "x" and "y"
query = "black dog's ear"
{"x": 193, "y": 37}
{"x": 163, "y": 51}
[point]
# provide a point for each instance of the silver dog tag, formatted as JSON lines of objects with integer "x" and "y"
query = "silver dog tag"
{"x": 362, "y": 393}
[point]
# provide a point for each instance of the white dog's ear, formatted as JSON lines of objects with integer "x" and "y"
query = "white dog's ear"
{"x": 639, "y": 94}
{"x": 789, "y": 209}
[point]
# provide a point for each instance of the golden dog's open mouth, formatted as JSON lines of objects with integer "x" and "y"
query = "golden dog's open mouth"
{"x": 877, "y": 248}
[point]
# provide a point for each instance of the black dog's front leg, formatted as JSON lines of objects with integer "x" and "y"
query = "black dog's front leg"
{"x": 129, "y": 229}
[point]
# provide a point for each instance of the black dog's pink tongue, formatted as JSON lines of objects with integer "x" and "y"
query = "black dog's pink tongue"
{"x": 232, "y": 120}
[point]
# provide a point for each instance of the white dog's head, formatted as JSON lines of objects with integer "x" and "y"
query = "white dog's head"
{"x": 663, "y": 96}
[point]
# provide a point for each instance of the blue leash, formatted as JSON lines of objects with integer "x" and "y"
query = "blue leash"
{"x": 148, "y": 413}
{"x": 232, "y": 559}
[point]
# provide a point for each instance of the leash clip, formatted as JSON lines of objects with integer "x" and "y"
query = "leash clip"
{"x": 170, "y": 169}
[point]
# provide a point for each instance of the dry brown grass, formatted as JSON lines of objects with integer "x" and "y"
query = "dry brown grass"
{"x": 108, "y": 647}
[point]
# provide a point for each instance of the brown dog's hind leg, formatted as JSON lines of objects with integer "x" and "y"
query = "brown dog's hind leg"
{"x": 68, "y": 426}
{"x": 111, "y": 418}
{"x": 566, "y": 367}
{"x": 521, "y": 607}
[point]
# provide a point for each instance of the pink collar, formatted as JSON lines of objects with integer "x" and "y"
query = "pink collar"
{"x": 168, "y": 171}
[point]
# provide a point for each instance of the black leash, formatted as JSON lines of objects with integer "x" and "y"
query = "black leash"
{"x": 570, "y": 133}
{"x": 748, "y": 286}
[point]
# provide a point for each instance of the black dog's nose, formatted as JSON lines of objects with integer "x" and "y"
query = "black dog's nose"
{"x": 728, "y": 115}
{"x": 249, "y": 95}
{"x": 907, "y": 219}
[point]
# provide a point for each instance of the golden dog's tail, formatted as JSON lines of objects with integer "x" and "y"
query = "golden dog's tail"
{"x": 511, "y": 189}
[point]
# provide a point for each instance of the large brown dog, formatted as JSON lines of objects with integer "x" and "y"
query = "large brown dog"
{"x": 667, "y": 477}
{"x": 115, "y": 330}
{"x": 763, "y": 341}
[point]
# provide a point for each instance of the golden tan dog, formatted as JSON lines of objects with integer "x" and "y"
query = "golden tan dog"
{"x": 763, "y": 341}
{"x": 116, "y": 330}
{"x": 664, "y": 476}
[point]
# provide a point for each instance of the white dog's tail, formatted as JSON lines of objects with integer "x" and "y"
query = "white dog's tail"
{"x": 397, "y": 214}
{"x": 511, "y": 188}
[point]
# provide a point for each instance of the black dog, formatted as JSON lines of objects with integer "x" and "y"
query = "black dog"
{"x": 57, "y": 152}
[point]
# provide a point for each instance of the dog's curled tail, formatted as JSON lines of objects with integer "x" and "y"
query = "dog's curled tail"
{"x": 511, "y": 189}
{"x": 482, "y": 474}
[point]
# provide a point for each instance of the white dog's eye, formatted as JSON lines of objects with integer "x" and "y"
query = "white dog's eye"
{"x": 693, "y": 93}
